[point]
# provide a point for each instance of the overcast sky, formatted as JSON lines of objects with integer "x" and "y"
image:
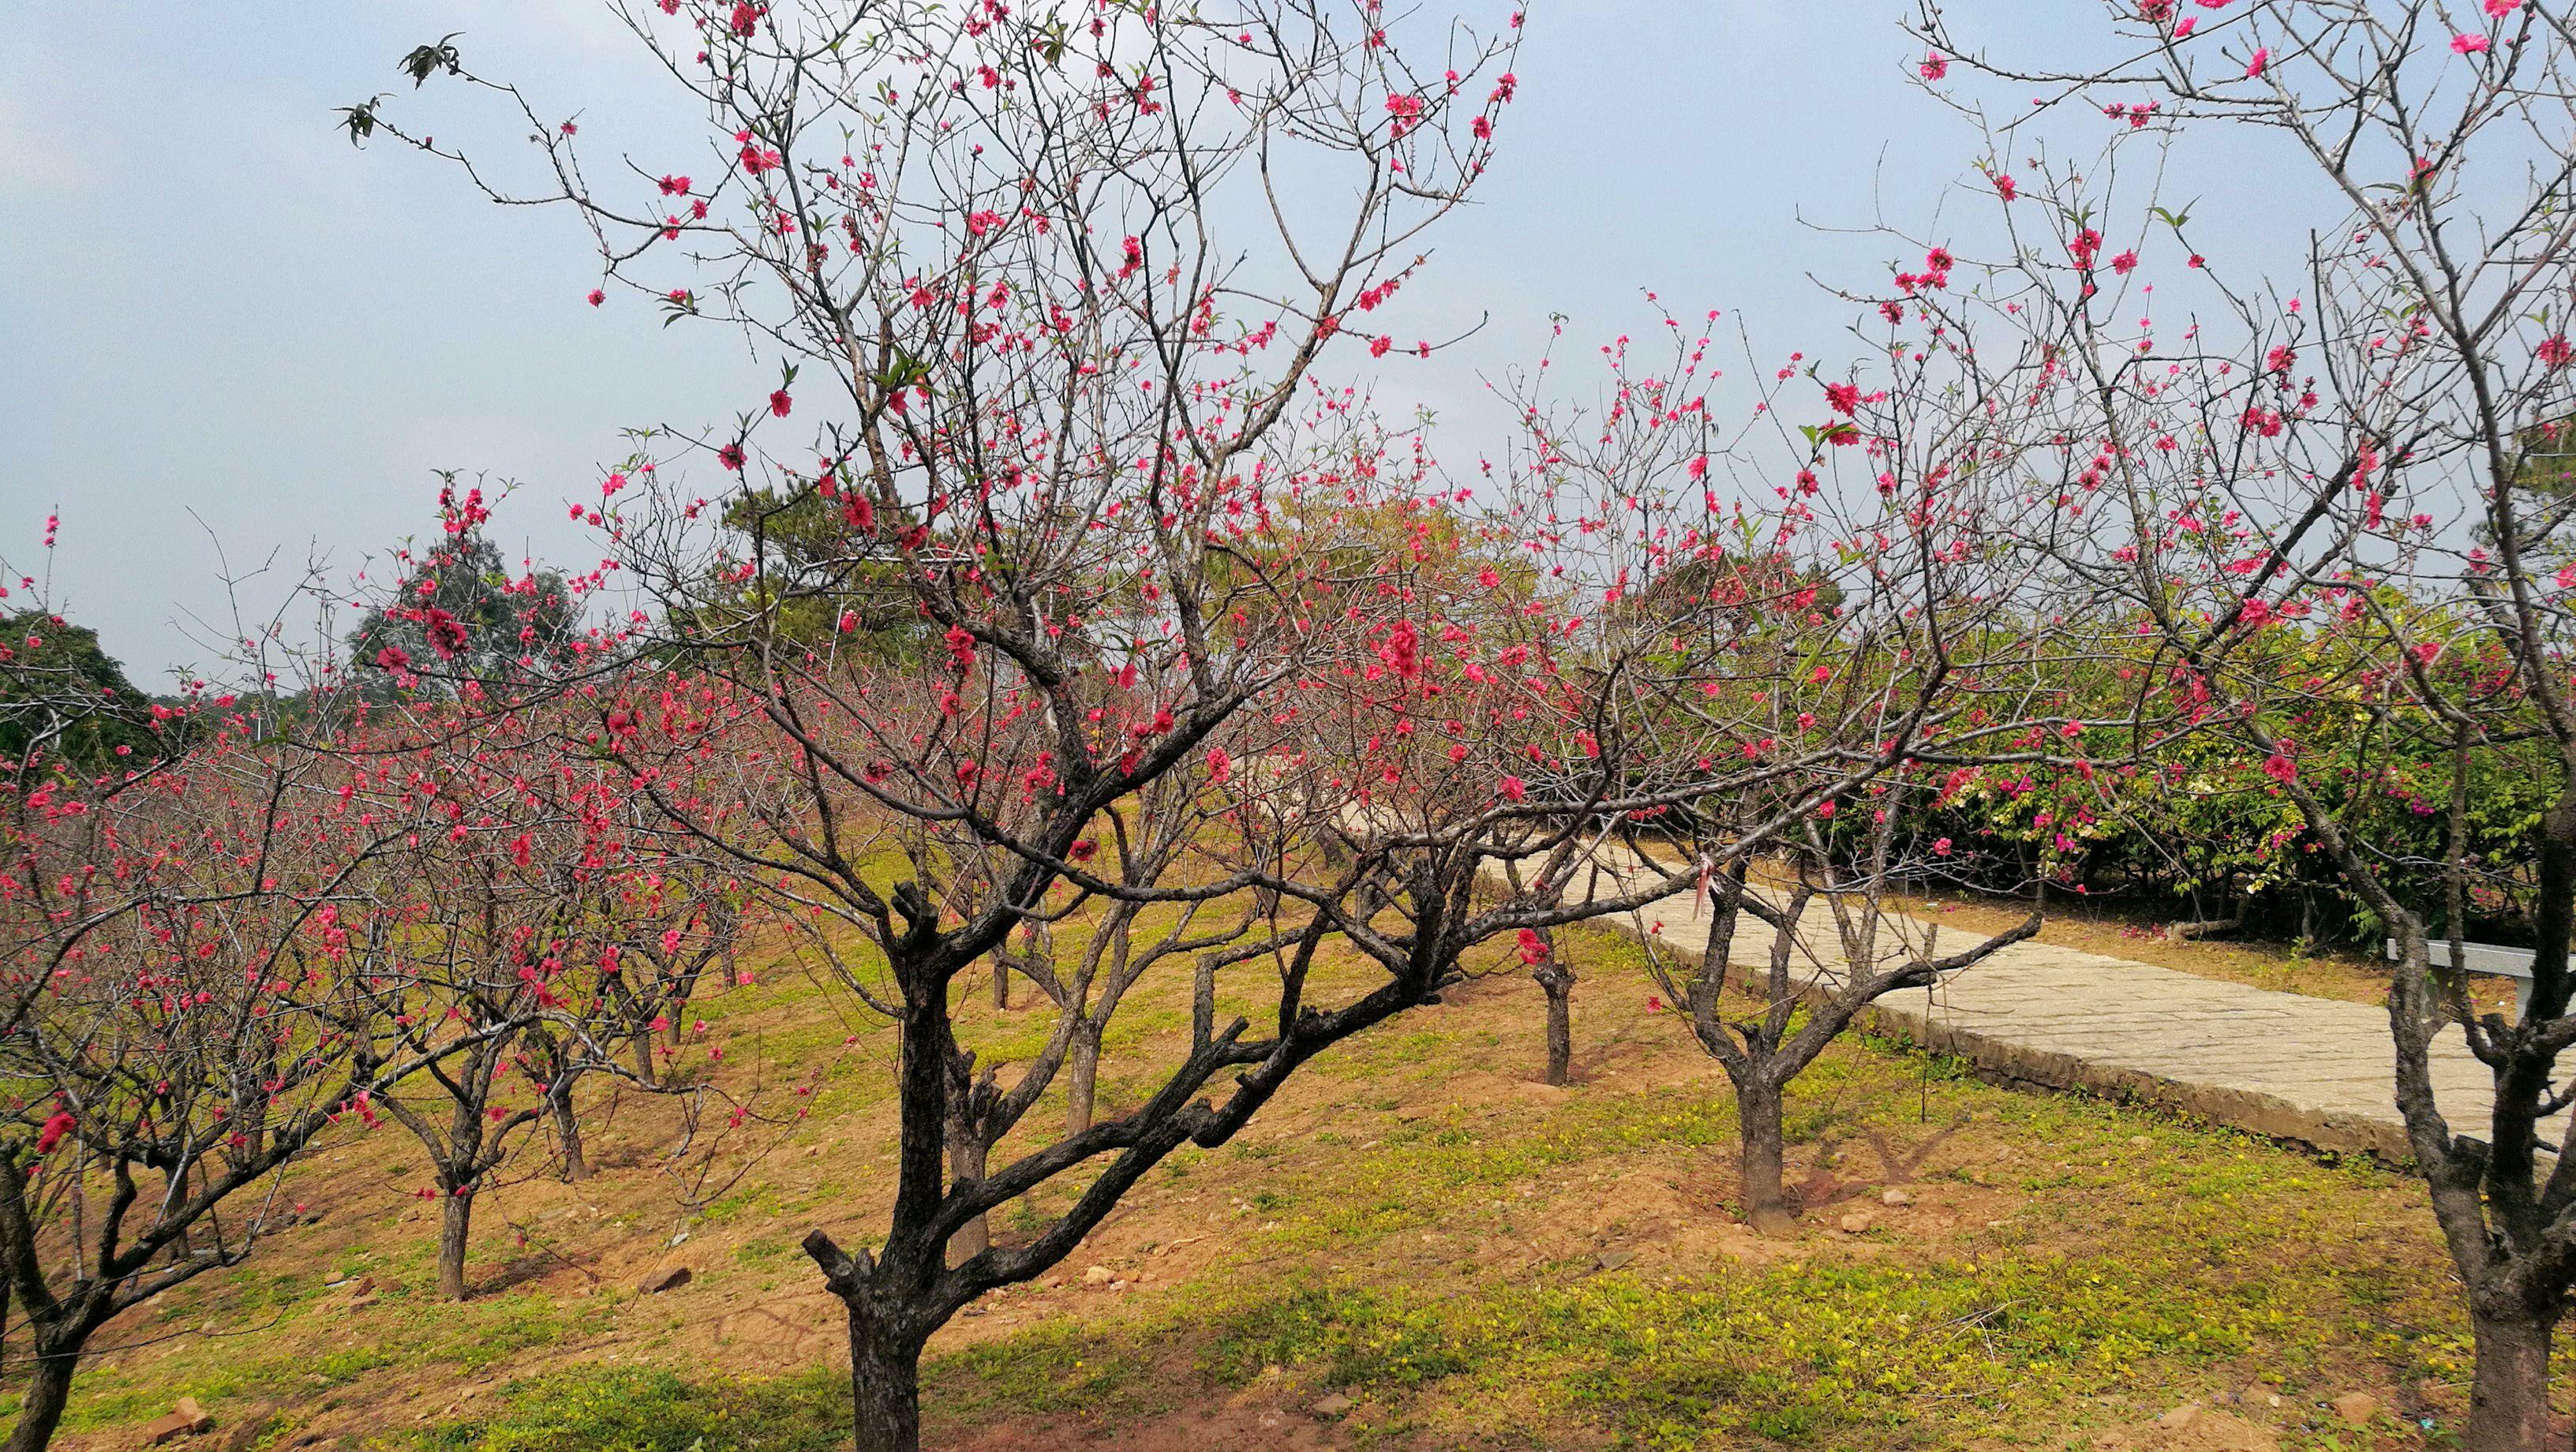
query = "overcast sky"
{"x": 232, "y": 337}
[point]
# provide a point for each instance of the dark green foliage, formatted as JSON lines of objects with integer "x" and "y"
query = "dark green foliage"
{"x": 460, "y": 615}
{"x": 2189, "y": 822}
{"x": 823, "y": 584}
{"x": 60, "y": 694}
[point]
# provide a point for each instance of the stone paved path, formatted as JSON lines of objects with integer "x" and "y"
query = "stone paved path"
{"x": 2314, "y": 1070}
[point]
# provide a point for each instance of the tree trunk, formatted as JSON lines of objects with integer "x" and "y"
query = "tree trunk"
{"x": 49, "y": 1389}
{"x": 1001, "y": 983}
{"x": 183, "y": 1245}
{"x": 1081, "y": 1078}
{"x": 2509, "y": 1392}
{"x": 1559, "y": 987}
{"x": 885, "y": 1389}
{"x": 965, "y": 1163}
{"x": 1766, "y": 1204}
{"x": 576, "y": 1166}
{"x": 1203, "y": 1002}
{"x": 454, "y": 1219}
{"x": 644, "y": 1058}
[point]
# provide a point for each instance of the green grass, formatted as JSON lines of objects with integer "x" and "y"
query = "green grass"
{"x": 2202, "y": 1258}
{"x": 637, "y": 1410}
{"x": 2134, "y": 1261}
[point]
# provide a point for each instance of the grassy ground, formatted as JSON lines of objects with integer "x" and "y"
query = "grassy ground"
{"x": 1415, "y": 1247}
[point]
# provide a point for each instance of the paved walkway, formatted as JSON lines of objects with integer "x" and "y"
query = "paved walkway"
{"x": 2314, "y": 1070}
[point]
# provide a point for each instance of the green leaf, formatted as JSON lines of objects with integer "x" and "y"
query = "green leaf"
{"x": 905, "y": 371}
{"x": 426, "y": 60}
{"x": 360, "y": 119}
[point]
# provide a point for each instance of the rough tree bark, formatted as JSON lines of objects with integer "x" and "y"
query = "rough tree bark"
{"x": 1082, "y": 1076}
{"x": 49, "y": 1390}
{"x": 2509, "y": 1392}
{"x": 455, "y": 1220}
{"x": 576, "y": 1164}
{"x": 1557, "y": 982}
{"x": 1764, "y": 1150}
{"x": 885, "y": 1386}
{"x": 966, "y": 1158}
{"x": 969, "y": 1102}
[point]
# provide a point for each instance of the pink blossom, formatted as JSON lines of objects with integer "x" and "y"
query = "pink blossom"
{"x": 2466, "y": 44}
{"x": 2262, "y": 57}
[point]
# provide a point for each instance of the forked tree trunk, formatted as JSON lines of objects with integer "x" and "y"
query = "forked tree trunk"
{"x": 455, "y": 1218}
{"x": 1081, "y": 1078}
{"x": 40, "y": 1411}
{"x": 1766, "y": 1202}
{"x": 885, "y": 1389}
{"x": 2509, "y": 1393}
